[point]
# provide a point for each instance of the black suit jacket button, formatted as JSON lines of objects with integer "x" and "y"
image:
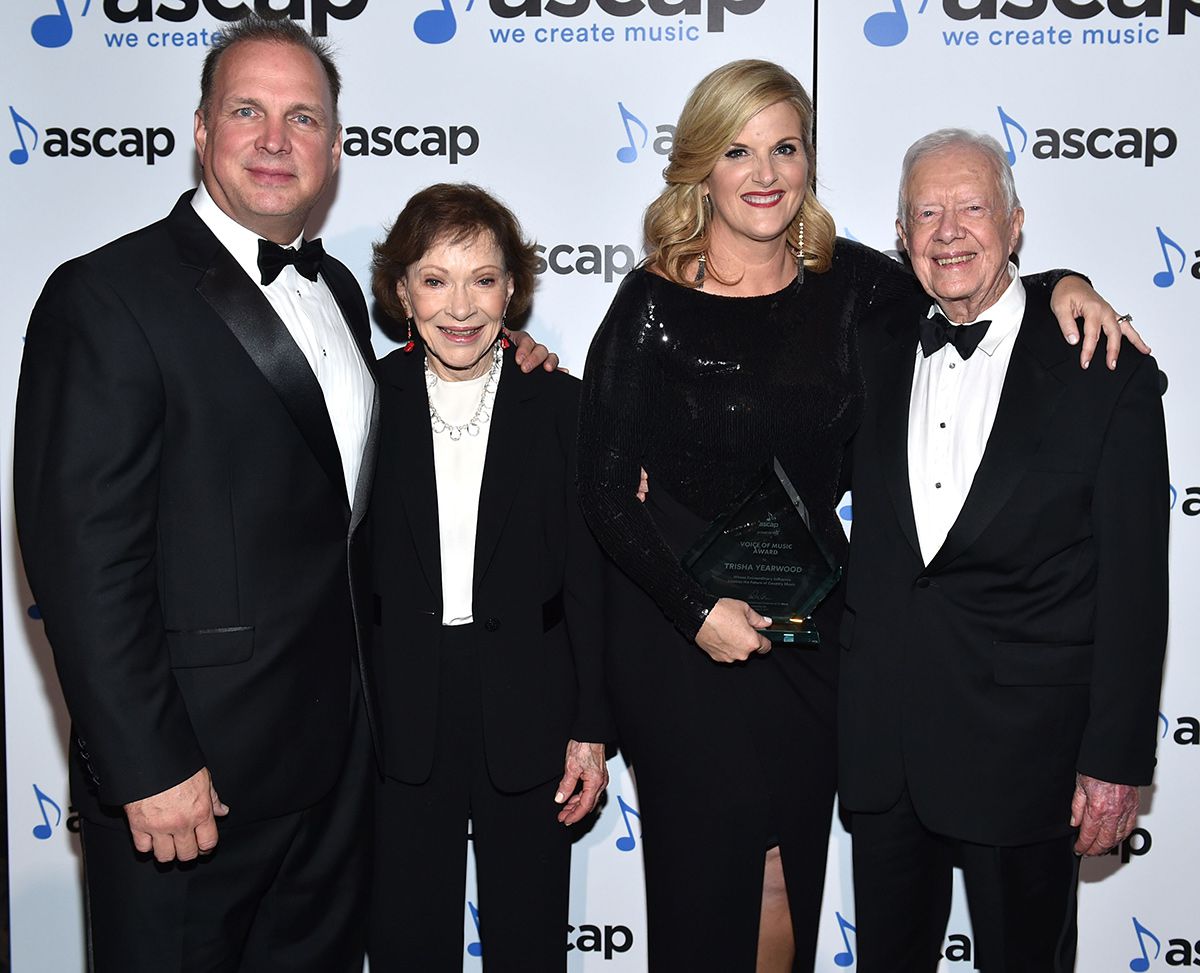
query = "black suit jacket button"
{"x": 922, "y": 582}
{"x": 492, "y": 625}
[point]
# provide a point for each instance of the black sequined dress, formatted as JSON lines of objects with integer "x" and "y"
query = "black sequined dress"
{"x": 702, "y": 391}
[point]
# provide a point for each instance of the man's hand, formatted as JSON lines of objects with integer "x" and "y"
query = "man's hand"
{"x": 530, "y": 354}
{"x": 730, "y": 632}
{"x": 179, "y": 823}
{"x": 1104, "y": 814}
{"x": 1073, "y": 298}
{"x": 584, "y": 764}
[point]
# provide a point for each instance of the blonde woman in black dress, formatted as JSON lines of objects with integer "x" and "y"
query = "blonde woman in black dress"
{"x": 736, "y": 342}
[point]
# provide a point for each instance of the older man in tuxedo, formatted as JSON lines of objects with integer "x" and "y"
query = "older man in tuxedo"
{"x": 1006, "y": 594}
{"x": 193, "y": 458}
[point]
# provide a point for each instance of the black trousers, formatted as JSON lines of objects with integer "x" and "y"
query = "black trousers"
{"x": 284, "y": 894}
{"x": 1022, "y": 899}
{"x": 522, "y": 853}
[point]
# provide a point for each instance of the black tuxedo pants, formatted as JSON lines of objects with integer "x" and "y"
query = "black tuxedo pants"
{"x": 283, "y": 895}
{"x": 1022, "y": 899}
{"x": 522, "y": 854}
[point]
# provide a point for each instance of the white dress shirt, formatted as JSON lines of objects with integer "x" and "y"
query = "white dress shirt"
{"x": 458, "y": 468}
{"x": 950, "y": 415}
{"x": 314, "y": 320}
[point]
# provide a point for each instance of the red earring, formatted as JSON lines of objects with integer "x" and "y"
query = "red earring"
{"x": 411, "y": 344}
{"x": 504, "y": 342}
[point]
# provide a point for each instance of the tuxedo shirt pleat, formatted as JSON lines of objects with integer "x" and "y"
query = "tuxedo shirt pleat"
{"x": 951, "y": 411}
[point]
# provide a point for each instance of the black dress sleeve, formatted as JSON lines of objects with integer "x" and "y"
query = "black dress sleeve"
{"x": 616, "y": 415}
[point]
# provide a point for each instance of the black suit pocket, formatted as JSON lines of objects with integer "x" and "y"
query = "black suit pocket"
{"x": 1042, "y": 663}
{"x": 210, "y": 646}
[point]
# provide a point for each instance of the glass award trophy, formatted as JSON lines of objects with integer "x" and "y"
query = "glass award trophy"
{"x": 764, "y": 552}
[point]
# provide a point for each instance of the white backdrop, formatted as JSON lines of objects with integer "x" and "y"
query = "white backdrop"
{"x": 565, "y": 109}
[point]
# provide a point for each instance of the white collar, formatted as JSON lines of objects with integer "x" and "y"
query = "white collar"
{"x": 1005, "y": 314}
{"x": 239, "y": 241}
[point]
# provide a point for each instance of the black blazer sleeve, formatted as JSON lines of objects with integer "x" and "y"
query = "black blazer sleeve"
{"x": 583, "y": 590}
{"x": 1130, "y": 520}
{"x": 89, "y": 431}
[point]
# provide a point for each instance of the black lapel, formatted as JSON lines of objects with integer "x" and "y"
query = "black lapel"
{"x": 507, "y": 459}
{"x": 411, "y": 439}
{"x": 1028, "y": 399}
{"x": 893, "y": 377}
{"x": 259, "y": 330}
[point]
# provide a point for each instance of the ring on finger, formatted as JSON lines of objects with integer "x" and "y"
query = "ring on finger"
{"x": 1125, "y": 319}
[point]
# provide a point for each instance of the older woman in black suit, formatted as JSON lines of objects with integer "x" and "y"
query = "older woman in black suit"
{"x": 487, "y": 648}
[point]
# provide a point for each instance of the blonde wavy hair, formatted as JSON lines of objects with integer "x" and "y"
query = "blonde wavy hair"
{"x": 676, "y": 225}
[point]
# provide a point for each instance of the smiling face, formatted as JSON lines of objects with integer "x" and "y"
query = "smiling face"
{"x": 269, "y": 142}
{"x": 959, "y": 235}
{"x": 456, "y": 295}
{"x": 757, "y": 185}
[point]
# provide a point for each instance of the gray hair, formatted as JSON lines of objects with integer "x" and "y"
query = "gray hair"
{"x": 945, "y": 138}
{"x": 255, "y": 27}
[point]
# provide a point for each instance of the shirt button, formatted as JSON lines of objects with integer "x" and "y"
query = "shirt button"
{"x": 922, "y": 582}
{"x": 952, "y": 364}
{"x": 941, "y": 425}
{"x": 937, "y": 486}
{"x": 492, "y": 625}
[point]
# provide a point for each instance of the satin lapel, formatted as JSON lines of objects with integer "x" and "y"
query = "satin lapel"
{"x": 893, "y": 381}
{"x": 507, "y": 459}
{"x": 417, "y": 477}
{"x": 259, "y": 330}
{"x": 1028, "y": 399}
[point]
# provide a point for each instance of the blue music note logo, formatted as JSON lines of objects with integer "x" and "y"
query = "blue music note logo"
{"x": 629, "y": 153}
{"x": 887, "y": 28}
{"x": 438, "y": 25}
{"x": 627, "y": 842}
{"x": 845, "y": 958}
{"x": 475, "y": 948}
{"x": 46, "y": 829}
{"x": 1162, "y": 717}
{"x": 18, "y": 157}
{"x": 1165, "y": 278}
{"x": 1139, "y": 964}
{"x": 55, "y": 30}
{"x": 1008, "y": 123}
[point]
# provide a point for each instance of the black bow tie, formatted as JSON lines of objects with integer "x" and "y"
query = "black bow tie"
{"x": 935, "y": 331}
{"x": 272, "y": 258}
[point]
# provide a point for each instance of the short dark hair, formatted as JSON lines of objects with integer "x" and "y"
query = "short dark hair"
{"x": 451, "y": 213}
{"x": 278, "y": 30}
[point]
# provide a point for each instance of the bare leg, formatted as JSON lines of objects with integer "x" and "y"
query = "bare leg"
{"x": 776, "y": 947}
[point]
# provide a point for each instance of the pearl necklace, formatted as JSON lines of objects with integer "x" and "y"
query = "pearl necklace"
{"x": 483, "y": 412}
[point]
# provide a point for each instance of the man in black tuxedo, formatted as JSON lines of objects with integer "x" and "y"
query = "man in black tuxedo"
{"x": 1006, "y": 594}
{"x": 194, "y": 451}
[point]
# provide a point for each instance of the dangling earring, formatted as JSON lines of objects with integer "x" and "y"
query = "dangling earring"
{"x": 701, "y": 268}
{"x": 411, "y": 344}
{"x": 800, "y": 251}
{"x": 504, "y": 342}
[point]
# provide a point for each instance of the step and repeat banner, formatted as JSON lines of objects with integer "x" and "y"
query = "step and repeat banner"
{"x": 566, "y": 110}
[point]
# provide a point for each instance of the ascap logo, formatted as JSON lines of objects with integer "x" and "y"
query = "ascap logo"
{"x": 433, "y": 141}
{"x": 586, "y": 259}
{"x": 57, "y": 28}
{"x": 637, "y": 137}
{"x": 1148, "y": 144}
{"x": 1176, "y": 952}
{"x": 1172, "y": 254}
{"x": 683, "y": 21}
{"x": 150, "y": 144}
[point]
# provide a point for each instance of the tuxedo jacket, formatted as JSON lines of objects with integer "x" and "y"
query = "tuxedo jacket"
{"x": 183, "y": 518}
{"x": 537, "y": 594}
{"x": 1031, "y": 646}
